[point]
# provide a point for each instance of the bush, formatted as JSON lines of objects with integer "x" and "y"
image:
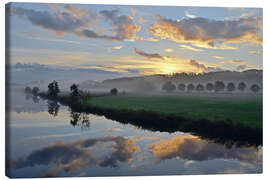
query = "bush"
{"x": 169, "y": 86}
{"x": 200, "y": 87}
{"x": 190, "y": 87}
{"x": 210, "y": 87}
{"x": 181, "y": 87}
{"x": 114, "y": 91}
{"x": 230, "y": 87}
{"x": 219, "y": 86}
{"x": 242, "y": 86}
{"x": 255, "y": 88}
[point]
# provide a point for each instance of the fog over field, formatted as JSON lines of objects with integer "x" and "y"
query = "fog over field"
{"x": 98, "y": 80}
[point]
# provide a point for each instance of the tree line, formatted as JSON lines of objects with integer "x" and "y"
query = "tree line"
{"x": 218, "y": 86}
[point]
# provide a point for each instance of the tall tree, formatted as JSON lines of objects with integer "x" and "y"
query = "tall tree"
{"x": 74, "y": 91}
{"x": 53, "y": 89}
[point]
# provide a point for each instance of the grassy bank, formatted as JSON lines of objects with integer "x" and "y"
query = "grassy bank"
{"x": 163, "y": 113}
{"x": 233, "y": 108}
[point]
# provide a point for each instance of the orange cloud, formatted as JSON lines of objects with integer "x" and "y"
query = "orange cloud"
{"x": 209, "y": 32}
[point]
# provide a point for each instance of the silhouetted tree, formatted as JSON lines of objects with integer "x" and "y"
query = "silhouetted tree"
{"x": 35, "y": 90}
{"x": 169, "y": 86}
{"x": 74, "y": 91}
{"x": 219, "y": 86}
{"x": 241, "y": 86}
{"x": 190, "y": 87}
{"x": 255, "y": 88}
{"x": 27, "y": 89}
{"x": 200, "y": 87}
{"x": 181, "y": 87}
{"x": 230, "y": 87}
{"x": 53, "y": 108}
{"x": 113, "y": 91}
{"x": 209, "y": 86}
{"x": 53, "y": 89}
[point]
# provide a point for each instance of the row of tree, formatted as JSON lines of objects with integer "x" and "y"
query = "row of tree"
{"x": 218, "y": 86}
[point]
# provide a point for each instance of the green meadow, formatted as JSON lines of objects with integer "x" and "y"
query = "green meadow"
{"x": 234, "y": 108}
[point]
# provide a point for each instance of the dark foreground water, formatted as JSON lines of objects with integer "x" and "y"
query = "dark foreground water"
{"x": 45, "y": 139}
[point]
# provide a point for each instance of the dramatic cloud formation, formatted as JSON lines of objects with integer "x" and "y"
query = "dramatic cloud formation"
{"x": 81, "y": 153}
{"x": 71, "y": 19}
{"x": 209, "y": 32}
{"x": 123, "y": 26}
{"x": 148, "y": 55}
{"x": 203, "y": 68}
{"x": 58, "y": 22}
{"x": 195, "y": 149}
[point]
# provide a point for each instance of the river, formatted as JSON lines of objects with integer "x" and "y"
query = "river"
{"x": 46, "y": 139}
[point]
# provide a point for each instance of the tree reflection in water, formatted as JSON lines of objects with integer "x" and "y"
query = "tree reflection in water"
{"x": 79, "y": 119}
{"x": 53, "y": 108}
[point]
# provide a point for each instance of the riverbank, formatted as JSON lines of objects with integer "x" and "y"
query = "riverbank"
{"x": 171, "y": 114}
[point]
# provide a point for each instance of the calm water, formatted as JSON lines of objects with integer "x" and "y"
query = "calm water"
{"x": 46, "y": 139}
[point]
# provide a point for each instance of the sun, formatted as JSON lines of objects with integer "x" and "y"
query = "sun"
{"x": 168, "y": 69}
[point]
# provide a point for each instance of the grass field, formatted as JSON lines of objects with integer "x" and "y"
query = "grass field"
{"x": 243, "y": 109}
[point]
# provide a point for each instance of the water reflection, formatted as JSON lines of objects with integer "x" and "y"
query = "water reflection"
{"x": 196, "y": 149}
{"x": 116, "y": 151}
{"x": 53, "y": 108}
{"x": 79, "y": 119}
{"x": 108, "y": 151}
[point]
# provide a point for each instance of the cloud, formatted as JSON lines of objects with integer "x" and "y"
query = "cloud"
{"x": 141, "y": 20}
{"x": 115, "y": 47}
{"x": 233, "y": 61}
{"x": 189, "y": 15}
{"x": 209, "y": 32}
{"x": 58, "y": 22}
{"x": 169, "y": 50}
{"x": 255, "y": 52}
{"x": 78, "y": 21}
{"x": 241, "y": 67}
{"x": 203, "y": 68}
{"x": 133, "y": 11}
{"x": 190, "y": 48}
{"x": 149, "y": 39}
{"x": 148, "y": 55}
{"x": 218, "y": 57}
{"x": 123, "y": 26}
{"x": 192, "y": 148}
{"x": 79, "y": 154}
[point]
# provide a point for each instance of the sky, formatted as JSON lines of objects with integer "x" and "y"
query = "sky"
{"x": 133, "y": 40}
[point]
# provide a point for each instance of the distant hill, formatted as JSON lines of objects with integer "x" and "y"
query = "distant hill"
{"x": 155, "y": 82}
